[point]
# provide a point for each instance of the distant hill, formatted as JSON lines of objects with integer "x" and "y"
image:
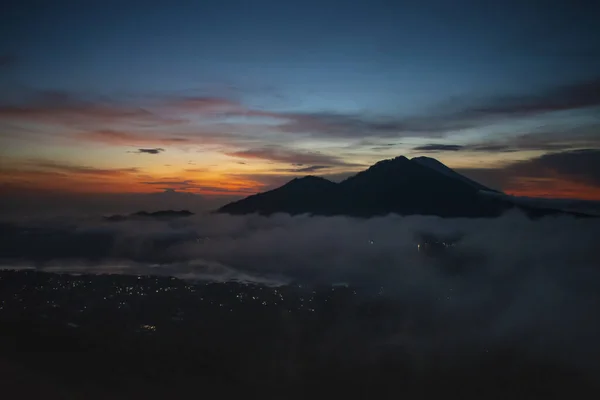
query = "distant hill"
{"x": 155, "y": 214}
{"x": 421, "y": 186}
{"x": 301, "y": 195}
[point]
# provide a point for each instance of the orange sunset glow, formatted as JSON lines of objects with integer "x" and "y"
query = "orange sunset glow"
{"x": 554, "y": 188}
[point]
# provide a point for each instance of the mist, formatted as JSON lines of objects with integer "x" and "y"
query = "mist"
{"x": 508, "y": 281}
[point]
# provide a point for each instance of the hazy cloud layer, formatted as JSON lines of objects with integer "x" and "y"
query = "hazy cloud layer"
{"x": 308, "y": 169}
{"x": 445, "y": 118}
{"x": 585, "y": 135}
{"x": 578, "y": 165}
{"x": 112, "y": 121}
{"x": 70, "y": 109}
{"x": 574, "y": 166}
{"x": 116, "y": 137}
{"x": 509, "y": 282}
{"x": 80, "y": 170}
{"x": 562, "y": 98}
{"x": 285, "y": 155}
{"x": 39, "y": 203}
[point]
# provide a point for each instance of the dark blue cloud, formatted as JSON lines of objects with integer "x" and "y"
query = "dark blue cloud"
{"x": 438, "y": 147}
{"x": 149, "y": 151}
{"x": 311, "y": 168}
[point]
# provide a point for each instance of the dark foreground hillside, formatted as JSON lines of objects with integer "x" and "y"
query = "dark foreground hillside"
{"x": 102, "y": 337}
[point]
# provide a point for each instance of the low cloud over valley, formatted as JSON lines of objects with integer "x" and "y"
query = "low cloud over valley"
{"x": 509, "y": 280}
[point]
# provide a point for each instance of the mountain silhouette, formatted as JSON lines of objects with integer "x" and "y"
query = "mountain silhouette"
{"x": 420, "y": 186}
{"x": 156, "y": 214}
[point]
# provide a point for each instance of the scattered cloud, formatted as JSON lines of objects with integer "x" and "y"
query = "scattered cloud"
{"x": 68, "y": 109}
{"x": 160, "y": 123}
{"x": 175, "y": 140}
{"x": 81, "y": 170}
{"x": 578, "y": 165}
{"x": 45, "y": 176}
{"x": 562, "y": 98}
{"x": 170, "y": 183}
{"x": 110, "y": 136}
{"x": 445, "y": 118}
{"x": 116, "y": 137}
{"x": 385, "y": 147}
{"x": 202, "y": 104}
{"x": 438, "y": 147}
{"x": 471, "y": 113}
{"x": 41, "y": 177}
{"x": 360, "y": 125}
{"x": 216, "y": 106}
{"x": 544, "y": 140}
{"x": 121, "y": 122}
{"x": 286, "y": 155}
{"x": 448, "y": 118}
{"x": 569, "y": 174}
{"x": 148, "y": 151}
{"x": 227, "y": 184}
{"x": 311, "y": 168}
{"x": 515, "y": 146}
{"x": 492, "y": 148}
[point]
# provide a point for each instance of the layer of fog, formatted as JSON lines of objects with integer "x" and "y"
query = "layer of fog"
{"x": 37, "y": 205}
{"x": 508, "y": 280}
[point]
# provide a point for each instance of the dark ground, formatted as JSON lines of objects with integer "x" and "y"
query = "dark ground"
{"x": 100, "y": 337}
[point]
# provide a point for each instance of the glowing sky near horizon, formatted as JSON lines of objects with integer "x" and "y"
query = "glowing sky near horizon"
{"x": 230, "y": 98}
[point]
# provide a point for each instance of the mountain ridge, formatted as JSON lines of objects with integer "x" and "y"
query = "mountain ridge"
{"x": 418, "y": 186}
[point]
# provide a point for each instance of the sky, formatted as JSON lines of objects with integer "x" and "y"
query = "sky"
{"x": 223, "y": 99}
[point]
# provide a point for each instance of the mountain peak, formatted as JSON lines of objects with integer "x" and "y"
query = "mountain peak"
{"x": 425, "y": 159}
{"x": 396, "y": 185}
{"x": 309, "y": 180}
{"x": 389, "y": 161}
